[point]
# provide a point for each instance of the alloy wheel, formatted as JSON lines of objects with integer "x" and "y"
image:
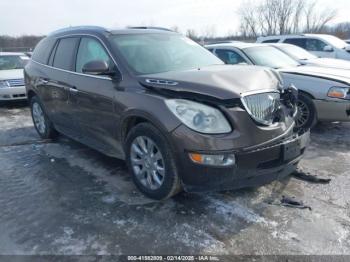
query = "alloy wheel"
{"x": 38, "y": 117}
{"x": 147, "y": 162}
{"x": 303, "y": 114}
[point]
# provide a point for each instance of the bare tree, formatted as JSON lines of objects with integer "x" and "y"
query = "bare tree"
{"x": 298, "y": 13}
{"x": 271, "y": 17}
{"x": 191, "y": 33}
{"x": 316, "y": 21}
{"x": 249, "y": 20}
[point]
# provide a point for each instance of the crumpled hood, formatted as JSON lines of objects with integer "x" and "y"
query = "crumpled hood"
{"x": 11, "y": 74}
{"x": 330, "y": 62}
{"x": 334, "y": 74}
{"x": 218, "y": 81}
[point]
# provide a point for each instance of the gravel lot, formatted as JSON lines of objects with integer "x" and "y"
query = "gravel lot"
{"x": 60, "y": 197}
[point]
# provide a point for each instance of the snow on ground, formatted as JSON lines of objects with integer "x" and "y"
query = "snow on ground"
{"x": 60, "y": 197}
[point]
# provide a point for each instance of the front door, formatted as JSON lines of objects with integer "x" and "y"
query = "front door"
{"x": 92, "y": 99}
{"x": 317, "y": 47}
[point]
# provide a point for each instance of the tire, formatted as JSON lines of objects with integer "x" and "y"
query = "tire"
{"x": 157, "y": 179}
{"x": 42, "y": 123}
{"x": 306, "y": 117}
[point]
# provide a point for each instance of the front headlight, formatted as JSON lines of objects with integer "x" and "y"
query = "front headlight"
{"x": 263, "y": 107}
{"x": 339, "y": 92}
{"x": 4, "y": 83}
{"x": 199, "y": 117}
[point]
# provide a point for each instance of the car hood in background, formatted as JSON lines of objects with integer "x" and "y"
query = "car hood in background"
{"x": 339, "y": 75}
{"x": 328, "y": 62}
{"x": 218, "y": 81}
{"x": 11, "y": 74}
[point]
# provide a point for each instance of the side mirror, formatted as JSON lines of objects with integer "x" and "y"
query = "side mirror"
{"x": 97, "y": 67}
{"x": 328, "y": 48}
{"x": 347, "y": 48}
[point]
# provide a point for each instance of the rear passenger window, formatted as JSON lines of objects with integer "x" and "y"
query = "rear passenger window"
{"x": 65, "y": 53}
{"x": 230, "y": 57}
{"x": 270, "y": 41}
{"x": 42, "y": 50}
{"x": 89, "y": 50}
{"x": 301, "y": 42}
{"x": 50, "y": 63}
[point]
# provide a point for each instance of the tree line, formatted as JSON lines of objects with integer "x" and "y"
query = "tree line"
{"x": 18, "y": 44}
{"x": 265, "y": 17}
{"x": 278, "y": 17}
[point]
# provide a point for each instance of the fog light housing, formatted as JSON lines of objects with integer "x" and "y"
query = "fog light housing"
{"x": 213, "y": 160}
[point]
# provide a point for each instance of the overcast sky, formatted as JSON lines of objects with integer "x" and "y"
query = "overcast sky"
{"x": 19, "y": 17}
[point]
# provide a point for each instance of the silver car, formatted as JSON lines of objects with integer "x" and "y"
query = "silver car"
{"x": 11, "y": 76}
{"x": 306, "y": 58}
{"x": 324, "y": 93}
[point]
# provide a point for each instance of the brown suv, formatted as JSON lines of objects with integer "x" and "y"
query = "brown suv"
{"x": 170, "y": 108}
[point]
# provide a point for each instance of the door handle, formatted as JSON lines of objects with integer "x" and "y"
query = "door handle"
{"x": 73, "y": 90}
{"x": 43, "y": 81}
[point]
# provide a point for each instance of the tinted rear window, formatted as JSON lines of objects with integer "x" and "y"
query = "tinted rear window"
{"x": 301, "y": 42}
{"x": 65, "y": 53}
{"x": 270, "y": 41}
{"x": 43, "y": 49}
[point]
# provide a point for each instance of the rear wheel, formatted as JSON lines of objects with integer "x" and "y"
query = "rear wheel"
{"x": 151, "y": 162}
{"x": 42, "y": 123}
{"x": 306, "y": 117}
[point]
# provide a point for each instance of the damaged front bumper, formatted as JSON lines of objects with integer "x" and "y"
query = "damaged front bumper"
{"x": 254, "y": 166}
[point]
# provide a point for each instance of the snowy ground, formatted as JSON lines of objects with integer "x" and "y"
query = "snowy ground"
{"x": 64, "y": 198}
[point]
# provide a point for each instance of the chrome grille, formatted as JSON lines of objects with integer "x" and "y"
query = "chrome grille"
{"x": 262, "y": 107}
{"x": 16, "y": 82}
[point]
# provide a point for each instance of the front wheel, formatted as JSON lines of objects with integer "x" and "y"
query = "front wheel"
{"x": 306, "y": 116}
{"x": 42, "y": 124}
{"x": 151, "y": 162}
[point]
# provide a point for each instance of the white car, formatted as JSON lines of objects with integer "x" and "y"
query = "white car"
{"x": 318, "y": 44}
{"x": 11, "y": 76}
{"x": 306, "y": 58}
{"x": 324, "y": 93}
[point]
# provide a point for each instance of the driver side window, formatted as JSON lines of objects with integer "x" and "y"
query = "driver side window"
{"x": 229, "y": 57}
{"x": 89, "y": 50}
{"x": 315, "y": 45}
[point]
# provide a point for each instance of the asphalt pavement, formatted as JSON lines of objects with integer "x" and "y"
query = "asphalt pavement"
{"x": 61, "y": 197}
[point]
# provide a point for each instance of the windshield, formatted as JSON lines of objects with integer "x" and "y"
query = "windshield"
{"x": 297, "y": 52}
{"x": 9, "y": 62}
{"x": 335, "y": 41}
{"x": 156, "y": 53}
{"x": 270, "y": 56}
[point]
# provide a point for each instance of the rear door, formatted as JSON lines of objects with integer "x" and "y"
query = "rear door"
{"x": 301, "y": 42}
{"x": 92, "y": 98}
{"x": 62, "y": 61}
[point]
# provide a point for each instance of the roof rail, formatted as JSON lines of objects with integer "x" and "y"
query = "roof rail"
{"x": 302, "y": 34}
{"x": 78, "y": 27}
{"x": 150, "y": 27}
{"x": 223, "y": 42}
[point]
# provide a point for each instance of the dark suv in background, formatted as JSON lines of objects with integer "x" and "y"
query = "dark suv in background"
{"x": 170, "y": 108}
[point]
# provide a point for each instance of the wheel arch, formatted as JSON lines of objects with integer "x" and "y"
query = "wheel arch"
{"x": 306, "y": 94}
{"x": 135, "y": 117}
{"x": 31, "y": 94}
